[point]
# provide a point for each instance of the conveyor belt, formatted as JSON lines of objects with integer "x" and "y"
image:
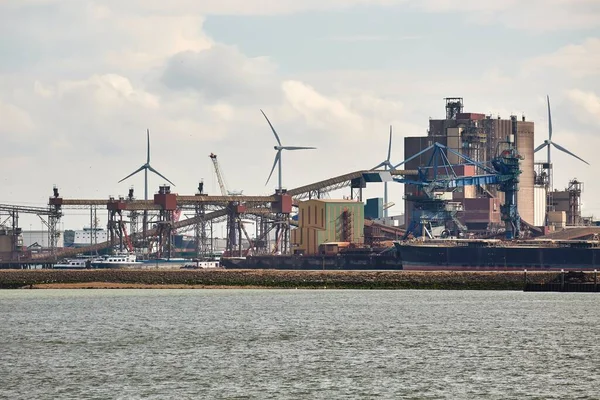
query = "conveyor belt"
{"x": 337, "y": 182}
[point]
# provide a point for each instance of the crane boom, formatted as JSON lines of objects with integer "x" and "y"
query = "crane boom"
{"x": 213, "y": 157}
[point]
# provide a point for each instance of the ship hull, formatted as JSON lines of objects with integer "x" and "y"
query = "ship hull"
{"x": 314, "y": 263}
{"x": 110, "y": 265}
{"x": 505, "y": 258}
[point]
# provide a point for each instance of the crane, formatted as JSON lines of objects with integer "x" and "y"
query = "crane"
{"x": 220, "y": 179}
{"x": 431, "y": 207}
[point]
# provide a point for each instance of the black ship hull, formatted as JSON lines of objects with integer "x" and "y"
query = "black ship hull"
{"x": 361, "y": 262}
{"x": 576, "y": 256}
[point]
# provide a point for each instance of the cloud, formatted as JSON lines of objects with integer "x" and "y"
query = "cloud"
{"x": 222, "y": 73}
{"x": 577, "y": 60}
{"x": 588, "y": 102}
{"x": 320, "y": 111}
{"x": 16, "y": 122}
{"x": 83, "y": 97}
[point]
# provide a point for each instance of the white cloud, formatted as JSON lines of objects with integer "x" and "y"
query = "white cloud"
{"x": 587, "y": 101}
{"x": 15, "y": 121}
{"x": 577, "y": 60}
{"x": 86, "y": 99}
{"x": 222, "y": 73}
{"x": 321, "y": 112}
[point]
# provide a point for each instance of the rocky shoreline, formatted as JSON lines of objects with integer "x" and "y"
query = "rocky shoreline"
{"x": 106, "y": 278}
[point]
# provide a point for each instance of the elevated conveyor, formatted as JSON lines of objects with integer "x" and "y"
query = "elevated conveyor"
{"x": 338, "y": 182}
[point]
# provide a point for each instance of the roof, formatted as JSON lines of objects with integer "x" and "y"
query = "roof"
{"x": 333, "y": 200}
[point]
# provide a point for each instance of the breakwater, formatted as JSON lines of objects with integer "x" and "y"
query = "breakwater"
{"x": 122, "y": 278}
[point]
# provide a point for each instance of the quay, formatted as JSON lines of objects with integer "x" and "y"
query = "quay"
{"x": 221, "y": 278}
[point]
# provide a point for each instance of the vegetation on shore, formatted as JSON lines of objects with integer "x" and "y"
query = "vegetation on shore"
{"x": 107, "y": 278}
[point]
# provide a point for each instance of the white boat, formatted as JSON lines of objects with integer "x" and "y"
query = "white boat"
{"x": 118, "y": 260}
{"x": 197, "y": 264}
{"x": 73, "y": 263}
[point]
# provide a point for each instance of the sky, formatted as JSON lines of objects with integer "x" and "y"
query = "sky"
{"x": 81, "y": 81}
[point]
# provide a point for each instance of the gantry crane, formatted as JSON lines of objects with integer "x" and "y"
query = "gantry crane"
{"x": 431, "y": 208}
{"x": 235, "y": 226}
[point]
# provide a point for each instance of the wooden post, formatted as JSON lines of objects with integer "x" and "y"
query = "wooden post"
{"x": 524, "y": 279}
{"x": 562, "y": 280}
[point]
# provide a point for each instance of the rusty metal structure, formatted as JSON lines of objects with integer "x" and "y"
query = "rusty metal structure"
{"x": 270, "y": 213}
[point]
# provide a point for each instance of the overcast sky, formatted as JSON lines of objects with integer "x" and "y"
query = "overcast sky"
{"x": 81, "y": 81}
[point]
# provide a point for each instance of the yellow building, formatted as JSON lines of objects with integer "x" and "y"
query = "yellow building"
{"x": 322, "y": 221}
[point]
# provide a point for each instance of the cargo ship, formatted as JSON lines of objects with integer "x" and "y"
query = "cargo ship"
{"x": 490, "y": 254}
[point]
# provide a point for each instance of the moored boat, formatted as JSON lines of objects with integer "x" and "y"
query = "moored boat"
{"x": 118, "y": 260}
{"x": 73, "y": 263}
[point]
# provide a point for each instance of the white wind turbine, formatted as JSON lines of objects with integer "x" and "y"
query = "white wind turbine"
{"x": 387, "y": 165}
{"x": 279, "y": 148}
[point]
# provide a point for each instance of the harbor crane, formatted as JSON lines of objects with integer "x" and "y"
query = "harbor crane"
{"x": 438, "y": 177}
{"x": 221, "y": 180}
{"x": 234, "y": 221}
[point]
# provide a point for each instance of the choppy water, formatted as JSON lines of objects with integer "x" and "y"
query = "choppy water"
{"x": 263, "y": 344}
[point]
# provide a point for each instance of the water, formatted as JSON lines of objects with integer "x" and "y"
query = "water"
{"x": 296, "y": 344}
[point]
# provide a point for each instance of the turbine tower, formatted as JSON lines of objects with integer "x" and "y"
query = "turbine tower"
{"x": 386, "y": 164}
{"x": 145, "y": 168}
{"x": 279, "y": 149}
{"x": 549, "y": 143}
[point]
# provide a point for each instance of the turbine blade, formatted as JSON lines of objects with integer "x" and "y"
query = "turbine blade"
{"x": 277, "y": 157}
{"x": 549, "y": 120}
{"x": 161, "y": 175}
{"x": 148, "y": 142}
{"x": 133, "y": 173}
{"x": 541, "y": 146}
{"x": 297, "y": 148}
{"x": 381, "y": 164}
{"x": 271, "y": 125}
{"x": 568, "y": 152}
{"x": 390, "y": 146}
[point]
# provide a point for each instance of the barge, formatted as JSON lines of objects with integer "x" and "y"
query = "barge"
{"x": 489, "y": 254}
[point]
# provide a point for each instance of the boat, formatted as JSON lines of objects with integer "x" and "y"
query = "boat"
{"x": 492, "y": 254}
{"x": 204, "y": 264}
{"x": 165, "y": 262}
{"x": 118, "y": 260}
{"x": 73, "y": 263}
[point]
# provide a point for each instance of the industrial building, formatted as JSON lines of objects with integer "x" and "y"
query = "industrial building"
{"x": 39, "y": 239}
{"x": 477, "y": 136}
{"x": 327, "y": 221}
{"x": 89, "y": 236}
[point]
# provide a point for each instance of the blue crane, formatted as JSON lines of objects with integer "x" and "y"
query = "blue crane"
{"x": 439, "y": 175}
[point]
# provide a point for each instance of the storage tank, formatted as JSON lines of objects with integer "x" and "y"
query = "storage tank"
{"x": 539, "y": 205}
{"x": 525, "y": 196}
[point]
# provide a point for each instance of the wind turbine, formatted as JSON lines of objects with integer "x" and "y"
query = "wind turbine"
{"x": 386, "y": 164}
{"x": 549, "y": 143}
{"x": 279, "y": 149}
{"x": 145, "y": 168}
